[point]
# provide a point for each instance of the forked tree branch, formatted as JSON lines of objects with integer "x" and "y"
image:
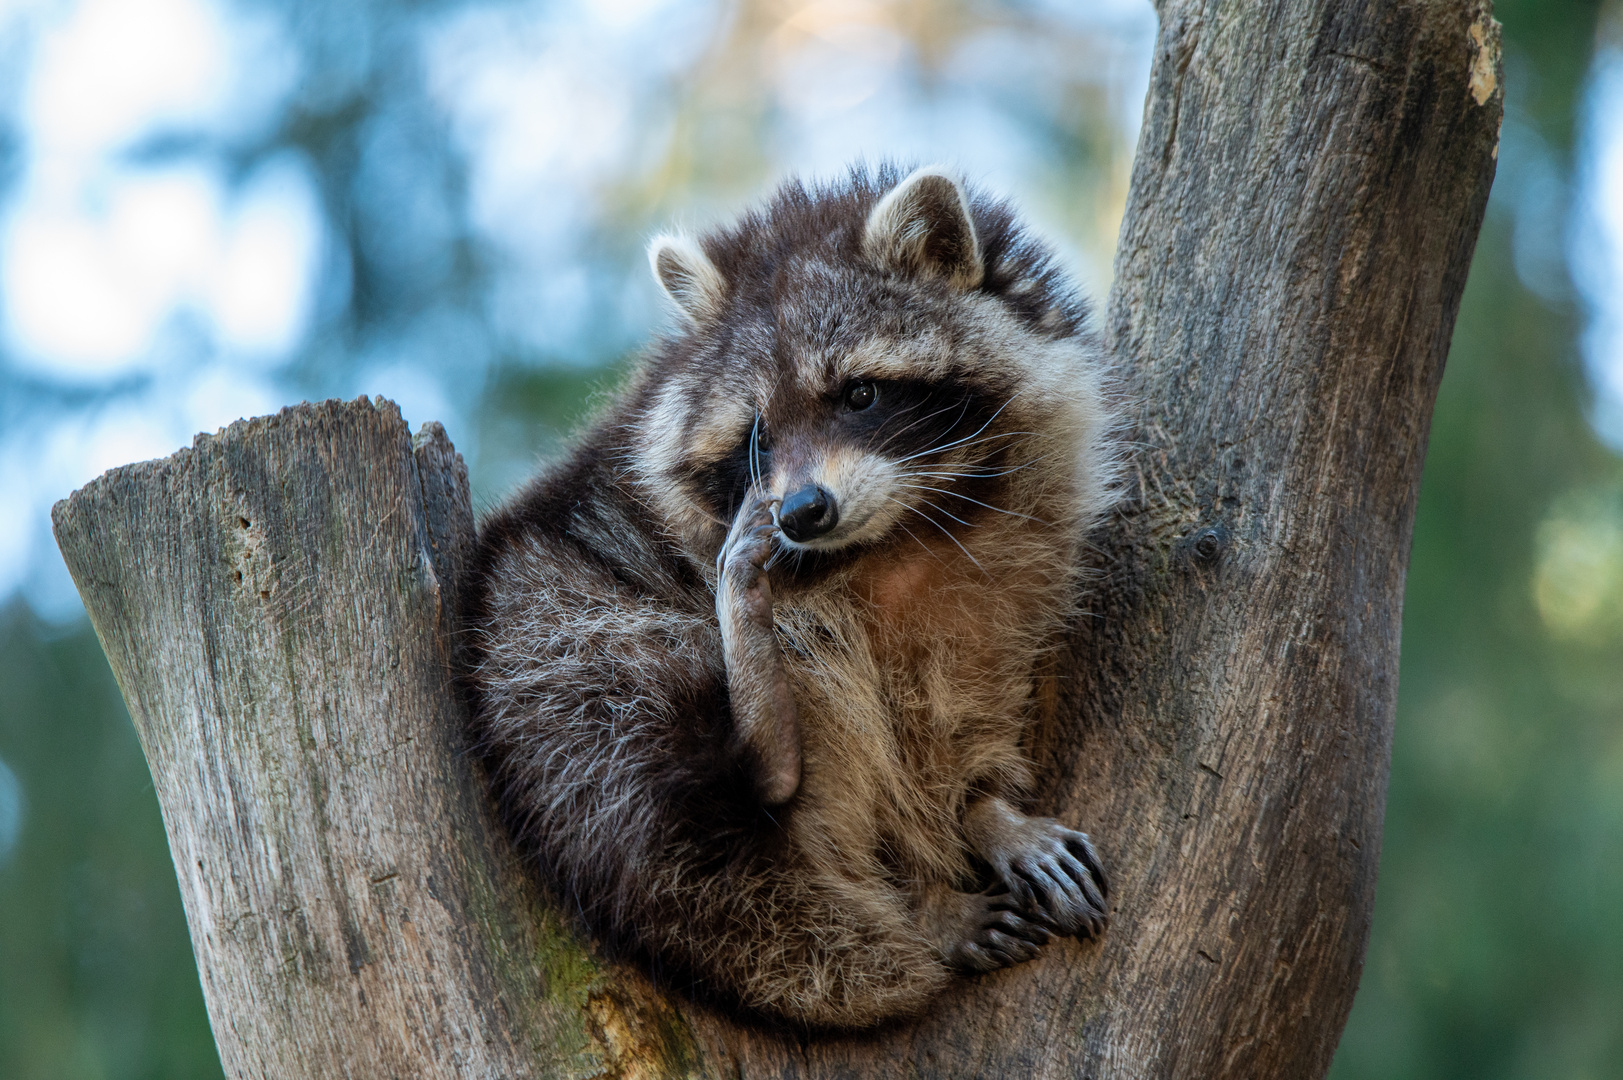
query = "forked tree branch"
{"x": 276, "y": 604}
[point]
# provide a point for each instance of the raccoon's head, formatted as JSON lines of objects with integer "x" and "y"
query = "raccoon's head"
{"x": 890, "y": 360}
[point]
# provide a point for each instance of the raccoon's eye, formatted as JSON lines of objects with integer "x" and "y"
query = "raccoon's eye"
{"x": 860, "y": 395}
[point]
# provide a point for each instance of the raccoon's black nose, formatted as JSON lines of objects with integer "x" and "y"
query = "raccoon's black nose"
{"x": 807, "y": 514}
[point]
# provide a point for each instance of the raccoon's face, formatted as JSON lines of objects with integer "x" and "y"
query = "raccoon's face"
{"x": 868, "y": 397}
{"x": 869, "y": 451}
{"x": 861, "y": 459}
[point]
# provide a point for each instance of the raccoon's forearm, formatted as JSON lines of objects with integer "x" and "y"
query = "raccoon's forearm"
{"x": 762, "y": 706}
{"x": 763, "y": 709}
{"x": 757, "y": 684}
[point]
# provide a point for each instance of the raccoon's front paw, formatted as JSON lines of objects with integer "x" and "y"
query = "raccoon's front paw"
{"x": 741, "y": 565}
{"x": 981, "y": 932}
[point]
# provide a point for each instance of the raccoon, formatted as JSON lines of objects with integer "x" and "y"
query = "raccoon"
{"x": 753, "y": 665}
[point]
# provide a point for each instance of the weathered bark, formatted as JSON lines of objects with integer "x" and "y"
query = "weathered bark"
{"x": 275, "y": 601}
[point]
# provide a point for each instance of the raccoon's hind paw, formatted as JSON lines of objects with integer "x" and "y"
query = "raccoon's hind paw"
{"x": 1054, "y": 873}
{"x": 981, "y": 932}
{"x": 1051, "y": 871}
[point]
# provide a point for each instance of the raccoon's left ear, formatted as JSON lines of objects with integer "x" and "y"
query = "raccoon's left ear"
{"x": 689, "y": 277}
{"x": 923, "y": 226}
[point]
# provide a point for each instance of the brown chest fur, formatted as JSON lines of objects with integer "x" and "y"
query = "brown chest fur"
{"x": 915, "y": 687}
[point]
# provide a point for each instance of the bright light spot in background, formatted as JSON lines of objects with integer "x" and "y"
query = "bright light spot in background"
{"x": 552, "y": 104}
{"x": 540, "y": 122}
{"x": 1578, "y": 575}
{"x": 87, "y": 289}
{"x": 833, "y": 55}
{"x": 104, "y": 73}
{"x": 267, "y": 261}
{"x": 117, "y": 263}
{"x": 1597, "y": 250}
{"x": 100, "y": 255}
{"x": 116, "y": 67}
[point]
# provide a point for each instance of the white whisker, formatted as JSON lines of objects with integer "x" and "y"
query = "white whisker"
{"x": 945, "y": 532}
{"x": 962, "y": 445}
{"x": 962, "y": 408}
{"x": 949, "y": 513}
{"x": 755, "y": 453}
{"x": 973, "y": 472}
{"x": 927, "y": 549}
{"x": 977, "y": 502}
{"x": 971, "y": 435}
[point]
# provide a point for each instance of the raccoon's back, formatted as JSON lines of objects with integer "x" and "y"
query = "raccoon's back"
{"x": 599, "y": 699}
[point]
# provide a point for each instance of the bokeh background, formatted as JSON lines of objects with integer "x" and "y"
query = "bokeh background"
{"x": 212, "y": 208}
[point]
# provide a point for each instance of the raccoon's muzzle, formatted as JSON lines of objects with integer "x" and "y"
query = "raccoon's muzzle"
{"x": 808, "y": 513}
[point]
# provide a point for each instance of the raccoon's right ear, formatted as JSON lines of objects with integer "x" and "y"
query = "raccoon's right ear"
{"x": 923, "y": 226}
{"x": 690, "y": 279}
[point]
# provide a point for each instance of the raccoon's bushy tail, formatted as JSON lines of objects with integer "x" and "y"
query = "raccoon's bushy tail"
{"x": 686, "y": 872}
{"x": 818, "y": 953}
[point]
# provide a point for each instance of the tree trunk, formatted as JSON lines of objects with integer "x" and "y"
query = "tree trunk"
{"x": 276, "y": 601}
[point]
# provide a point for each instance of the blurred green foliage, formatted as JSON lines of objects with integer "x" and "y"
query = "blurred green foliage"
{"x": 1497, "y": 948}
{"x": 526, "y": 415}
{"x": 1498, "y": 942}
{"x": 96, "y": 972}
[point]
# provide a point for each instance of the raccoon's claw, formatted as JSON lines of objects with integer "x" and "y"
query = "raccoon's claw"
{"x": 1054, "y": 874}
{"x": 742, "y": 571}
{"x": 750, "y": 541}
{"x": 994, "y": 934}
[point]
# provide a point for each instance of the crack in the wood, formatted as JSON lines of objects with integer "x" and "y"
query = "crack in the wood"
{"x": 1186, "y": 47}
{"x": 1365, "y": 60}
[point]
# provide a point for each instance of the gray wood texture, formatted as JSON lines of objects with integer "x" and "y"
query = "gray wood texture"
{"x": 275, "y": 603}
